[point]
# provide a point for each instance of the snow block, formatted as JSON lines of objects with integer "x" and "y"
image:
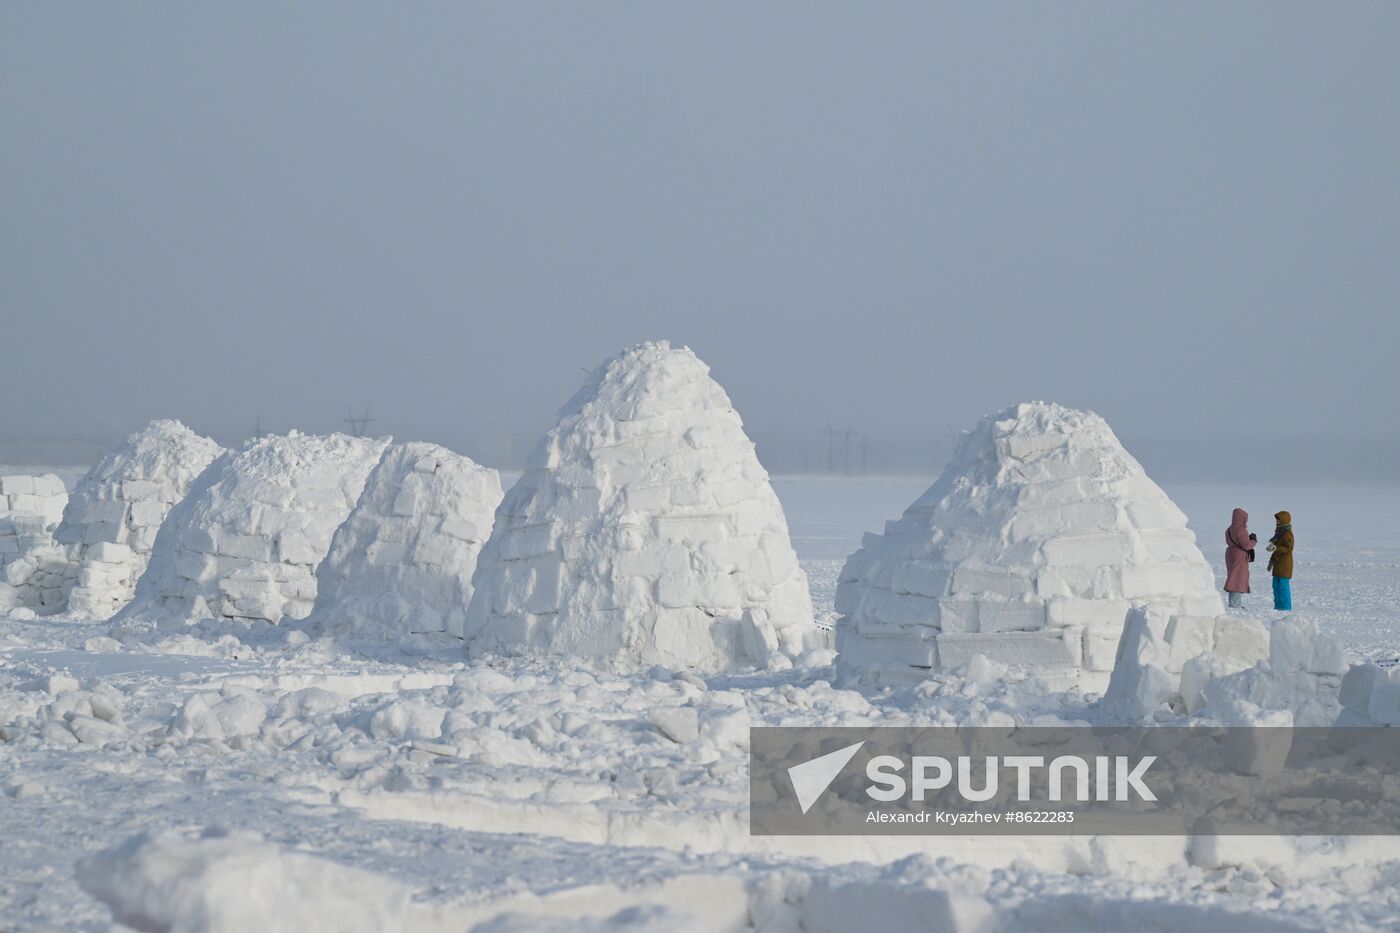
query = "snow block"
{"x": 1359, "y": 683}
{"x": 1297, "y": 644}
{"x": 1135, "y": 691}
{"x": 1106, "y": 614}
{"x": 218, "y": 880}
{"x": 1187, "y": 637}
{"x": 1052, "y": 649}
{"x": 1195, "y": 674}
{"x": 996, "y": 616}
{"x": 1240, "y": 643}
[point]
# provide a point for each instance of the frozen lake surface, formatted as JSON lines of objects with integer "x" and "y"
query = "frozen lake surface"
{"x": 549, "y": 789}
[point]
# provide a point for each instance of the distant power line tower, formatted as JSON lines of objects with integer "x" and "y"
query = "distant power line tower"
{"x": 357, "y": 425}
{"x": 844, "y": 451}
{"x": 257, "y": 428}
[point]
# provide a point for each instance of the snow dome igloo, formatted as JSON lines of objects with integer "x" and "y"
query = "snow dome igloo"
{"x": 245, "y": 542}
{"x": 400, "y": 566}
{"x": 101, "y": 546}
{"x": 644, "y": 531}
{"x": 117, "y": 508}
{"x": 1029, "y": 549}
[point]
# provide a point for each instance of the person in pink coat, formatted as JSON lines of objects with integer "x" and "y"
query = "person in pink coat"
{"x": 1239, "y": 547}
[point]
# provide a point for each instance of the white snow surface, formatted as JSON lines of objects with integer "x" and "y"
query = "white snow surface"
{"x": 246, "y": 540}
{"x": 400, "y": 566}
{"x": 644, "y": 531}
{"x": 545, "y": 793}
{"x": 1029, "y": 549}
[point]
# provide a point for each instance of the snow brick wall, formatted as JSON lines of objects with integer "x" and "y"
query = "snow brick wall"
{"x": 1029, "y": 549}
{"x": 42, "y": 496}
{"x": 643, "y": 532}
{"x": 30, "y": 509}
{"x": 110, "y": 524}
{"x": 401, "y": 565}
{"x": 1167, "y": 658}
{"x": 1238, "y": 671}
{"x": 245, "y": 542}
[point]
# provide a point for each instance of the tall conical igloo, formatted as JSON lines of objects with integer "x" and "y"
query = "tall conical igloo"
{"x": 1028, "y": 549}
{"x": 399, "y": 569}
{"x": 245, "y": 542}
{"x": 644, "y": 531}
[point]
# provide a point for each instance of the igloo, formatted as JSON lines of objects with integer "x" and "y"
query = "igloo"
{"x": 245, "y": 542}
{"x": 1030, "y": 549}
{"x": 400, "y": 567}
{"x": 116, "y": 509}
{"x": 101, "y": 546}
{"x": 643, "y": 532}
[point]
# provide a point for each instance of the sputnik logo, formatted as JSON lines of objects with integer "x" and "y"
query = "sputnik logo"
{"x": 811, "y": 778}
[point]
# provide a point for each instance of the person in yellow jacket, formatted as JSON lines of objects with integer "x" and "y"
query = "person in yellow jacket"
{"x": 1281, "y": 561}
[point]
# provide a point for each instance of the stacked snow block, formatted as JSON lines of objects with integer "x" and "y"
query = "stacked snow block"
{"x": 21, "y": 533}
{"x": 1229, "y": 669}
{"x": 1029, "y": 549}
{"x": 400, "y": 567}
{"x": 1370, "y": 696}
{"x": 644, "y": 532}
{"x": 110, "y": 524}
{"x": 41, "y": 496}
{"x": 41, "y": 574}
{"x": 245, "y": 542}
{"x": 30, "y": 509}
{"x": 1165, "y": 658}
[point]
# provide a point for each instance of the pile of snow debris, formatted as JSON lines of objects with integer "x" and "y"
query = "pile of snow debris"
{"x": 245, "y": 542}
{"x": 400, "y": 567}
{"x": 223, "y": 880}
{"x": 643, "y": 532}
{"x": 1028, "y": 549}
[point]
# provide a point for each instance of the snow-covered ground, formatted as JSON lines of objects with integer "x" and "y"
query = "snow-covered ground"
{"x": 502, "y": 794}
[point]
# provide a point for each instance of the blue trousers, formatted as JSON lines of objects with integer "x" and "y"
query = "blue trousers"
{"x": 1283, "y": 593}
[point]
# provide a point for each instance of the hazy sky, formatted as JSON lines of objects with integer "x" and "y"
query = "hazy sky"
{"x": 1184, "y": 216}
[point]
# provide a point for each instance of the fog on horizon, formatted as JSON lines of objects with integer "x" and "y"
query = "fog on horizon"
{"x": 893, "y": 218}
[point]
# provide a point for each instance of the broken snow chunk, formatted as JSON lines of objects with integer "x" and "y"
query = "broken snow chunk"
{"x": 678, "y": 723}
